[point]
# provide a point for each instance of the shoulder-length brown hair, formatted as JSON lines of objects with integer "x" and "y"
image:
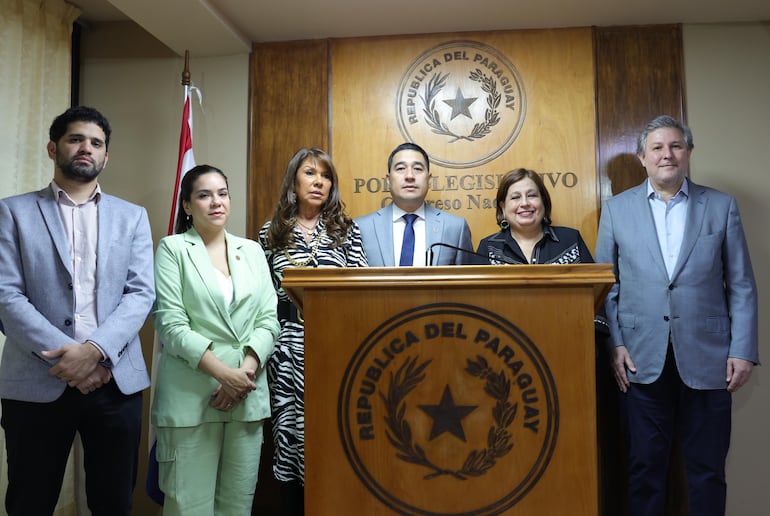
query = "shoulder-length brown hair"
{"x": 336, "y": 221}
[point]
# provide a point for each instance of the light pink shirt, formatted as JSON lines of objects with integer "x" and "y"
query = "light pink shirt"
{"x": 81, "y": 224}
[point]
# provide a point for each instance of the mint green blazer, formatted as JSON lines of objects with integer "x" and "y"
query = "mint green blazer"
{"x": 190, "y": 316}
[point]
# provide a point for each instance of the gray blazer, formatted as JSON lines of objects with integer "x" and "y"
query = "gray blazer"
{"x": 710, "y": 304}
{"x": 440, "y": 226}
{"x": 36, "y": 301}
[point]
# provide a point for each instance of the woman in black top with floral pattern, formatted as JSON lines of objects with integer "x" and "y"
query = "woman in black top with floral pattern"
{"x": 526, "y": 235}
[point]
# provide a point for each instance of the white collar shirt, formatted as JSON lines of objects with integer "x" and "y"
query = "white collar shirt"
{"x": 670, "y": 219}
{"x": 399, "y": 223}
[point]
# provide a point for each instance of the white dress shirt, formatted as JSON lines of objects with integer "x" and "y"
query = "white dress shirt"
{"x": 399, "y": 223}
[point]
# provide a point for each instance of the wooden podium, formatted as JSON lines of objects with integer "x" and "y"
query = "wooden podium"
{"x": 450, "y": 390}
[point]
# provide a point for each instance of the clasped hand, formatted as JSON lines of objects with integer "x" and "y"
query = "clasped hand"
{"x": 79, "y": 367}
{"x": 235, "y": 385}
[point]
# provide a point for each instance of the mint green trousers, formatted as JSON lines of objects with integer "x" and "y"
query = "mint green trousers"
{"x": 210, "y": 468}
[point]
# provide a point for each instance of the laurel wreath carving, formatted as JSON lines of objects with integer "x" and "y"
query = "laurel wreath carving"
{"x": 499, "y": 441}
{"x": 491, "y": 115}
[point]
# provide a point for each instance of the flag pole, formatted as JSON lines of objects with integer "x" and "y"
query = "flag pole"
{"x": 186, "y": 160}
{"x": 186, "y": 71}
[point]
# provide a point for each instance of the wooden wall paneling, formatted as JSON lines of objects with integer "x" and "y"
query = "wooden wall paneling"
{"x": 288, "y": 102}
{"x": 639, "y": 75}
{"x": 557, "y": 135}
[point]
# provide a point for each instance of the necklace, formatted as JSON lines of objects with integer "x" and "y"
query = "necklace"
{"x": 313, "y": 252}
{"x": 307, "y": 229}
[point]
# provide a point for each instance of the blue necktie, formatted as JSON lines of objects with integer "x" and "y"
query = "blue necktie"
{"x": 407, "y": 247}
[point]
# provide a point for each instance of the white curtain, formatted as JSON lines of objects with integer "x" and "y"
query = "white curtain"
{"x": 35, "y": 57}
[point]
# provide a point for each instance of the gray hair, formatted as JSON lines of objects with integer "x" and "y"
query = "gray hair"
{"x": 661, "y": 122}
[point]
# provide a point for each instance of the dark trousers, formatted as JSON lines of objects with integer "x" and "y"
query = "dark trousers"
{"x": 293, "y": 497}
{"x": 653, "y": 413}
{"x": 38, "y": 439}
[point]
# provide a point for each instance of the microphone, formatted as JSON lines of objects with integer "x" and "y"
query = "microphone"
{"x": 429, "y": 253}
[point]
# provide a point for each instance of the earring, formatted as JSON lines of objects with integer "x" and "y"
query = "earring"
{"x": 504, "y": 225}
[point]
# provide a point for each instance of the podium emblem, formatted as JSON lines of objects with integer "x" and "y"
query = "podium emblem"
{"x": 448, "y": 409}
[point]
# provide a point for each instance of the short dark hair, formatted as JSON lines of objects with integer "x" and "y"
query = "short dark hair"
{"x": 79, "y": 114}
{"x": 660, "y": 122}
{"x": 409, "y": 146}
{"x": 514, "y": 176}
{"x": 183, "y": 223}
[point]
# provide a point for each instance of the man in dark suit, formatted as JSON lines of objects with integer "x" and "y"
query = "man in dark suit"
{"x": 76, "y": 285}
{"x": 383, "y": 232}
{"x": 683, "y": 320}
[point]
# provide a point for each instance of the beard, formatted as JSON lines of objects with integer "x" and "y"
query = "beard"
{"x": 78, "y": 171}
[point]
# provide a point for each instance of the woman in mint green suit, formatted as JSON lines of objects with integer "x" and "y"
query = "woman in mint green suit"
{"x": 215, "y": 313}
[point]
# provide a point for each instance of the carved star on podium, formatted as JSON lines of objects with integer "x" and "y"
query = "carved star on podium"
{"x": 447, "y": 416}
{"x": 460, "y": 105}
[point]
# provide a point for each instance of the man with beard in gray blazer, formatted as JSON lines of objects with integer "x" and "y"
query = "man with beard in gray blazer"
{"x": 76, "y": 285}
{"x": 682, "y": 317}
{"x": 401, "y": 233}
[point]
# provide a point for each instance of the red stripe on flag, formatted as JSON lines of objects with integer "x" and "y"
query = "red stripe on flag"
{"x": 186, "y": 160}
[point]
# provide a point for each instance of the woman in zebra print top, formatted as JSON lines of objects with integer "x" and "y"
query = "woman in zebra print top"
{"x": 309, "y": 228}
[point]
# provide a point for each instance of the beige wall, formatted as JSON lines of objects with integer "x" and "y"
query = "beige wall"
{"x": 727, "y": 69}
{"x": 727, "y": 72}
{"x": 143, "y": 100}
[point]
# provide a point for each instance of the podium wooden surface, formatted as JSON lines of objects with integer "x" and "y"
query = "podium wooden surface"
{"x": 450, "y": 390}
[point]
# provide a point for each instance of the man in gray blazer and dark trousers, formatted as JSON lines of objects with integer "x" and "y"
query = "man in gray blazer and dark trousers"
{"x": 683, "y": 320}
{"x": 76, "y": 285}
{"x": 402, "y": 232}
